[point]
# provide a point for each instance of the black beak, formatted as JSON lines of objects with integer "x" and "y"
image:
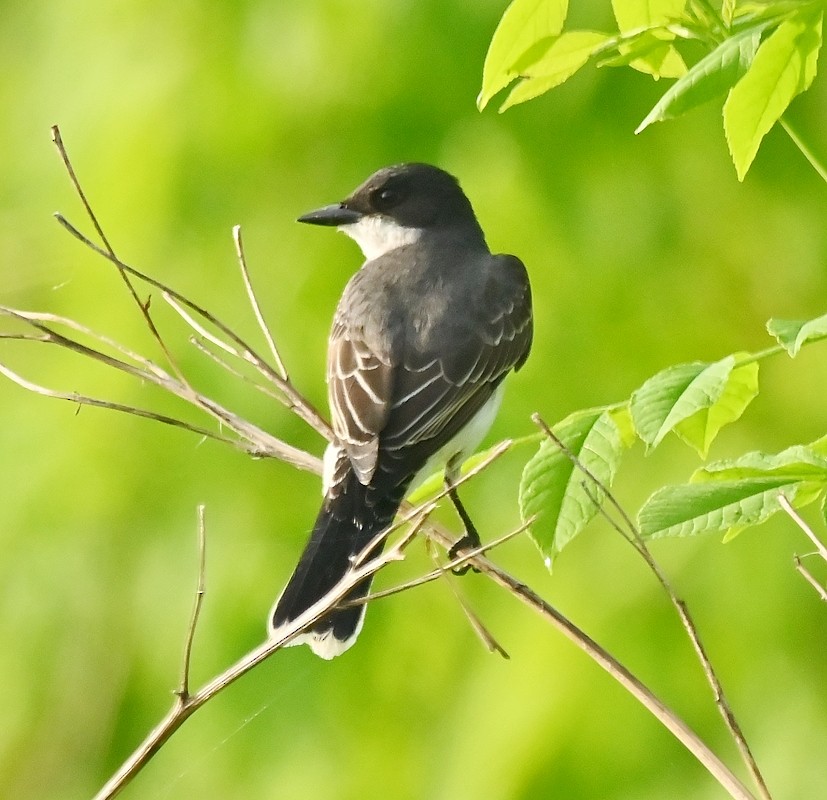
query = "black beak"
{"x": 337, "y": 214}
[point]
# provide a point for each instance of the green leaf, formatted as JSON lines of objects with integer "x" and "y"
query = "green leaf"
{"x": 728, "y": 11}
{"x": 793, "y": 334}
{"x": 622, "y": 418}
{"x": 524, "y": 23}
{"x": 709, "y": 78}
{"x": 678, "y": 393}
{"x": 563, "y": 57}
{"x": 783, "y": 67}
{"x": 632, "y": 14}
{"x": 719, "y": 506}
{"x": 661, "y": 60}
{"x": 739, "y": 390}
{"x": 728, "y": 496}
{"x": 650, "y": 51}
{"x": 804, "y": 462}
{"x": 555, "y": 492}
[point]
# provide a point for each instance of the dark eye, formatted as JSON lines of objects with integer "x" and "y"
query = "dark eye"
{"x": 385, "y": 198}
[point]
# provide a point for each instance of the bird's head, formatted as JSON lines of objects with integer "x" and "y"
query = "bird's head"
{"x": 396, "y": 206}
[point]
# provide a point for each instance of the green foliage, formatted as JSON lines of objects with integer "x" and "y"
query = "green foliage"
{"x": 553, "y": 491}
{"x": 728, "y": 496}
{"x": 793, "y": 334}
{"x": 760, "y": 56}
{"x": 694, "y": 401}
{"x": 783, "y": 67}
{"x": 529, "y": 22}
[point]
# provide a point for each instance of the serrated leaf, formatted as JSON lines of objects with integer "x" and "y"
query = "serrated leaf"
{"x": 802, "y": 462}
{"x": 709, "y": 78}
{"x": 732, "y": 494}
{"x": 661, "y": 61}
{"x": 793, "y": 334}
{"x": 719, "y": 506}
{"x": 819, "y": 447}
{"x": 783, "y": 67}
{"x": 676, "y": 394}
{"x": 555, "y": 492}
{"x": 649, "y": 51}
{"x": 564, "y": 56}
{"x": 524, "y": 23}
{"x": 632, "y": 14}
{"x": 740, "y": 388}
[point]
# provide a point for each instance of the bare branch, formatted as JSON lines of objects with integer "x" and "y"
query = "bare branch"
{"x": 489, "y": 642}
{"x": 808, "y": 576}
{"x": 461, "y": 559}
{"x": 32, "y": 317}
{"x": 183, "y": 691}
{"x": 198, "y": 327}
{"x": 297, "y": 402}
{"x": 187, "y": 704}
{"x": 84, "y": 400}
{"x": 143, "y": 307}
{"x": 796, "y": 517}
{"x": 265, "y": 390}
{"x": 248, "y": 285}
{"x": 821, "y": 549}
{"x": 258, "y": 441}
{"x": 668, "y": 718}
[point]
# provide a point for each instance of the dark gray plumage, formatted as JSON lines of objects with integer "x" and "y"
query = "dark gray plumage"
{"x": 422, "y": 338}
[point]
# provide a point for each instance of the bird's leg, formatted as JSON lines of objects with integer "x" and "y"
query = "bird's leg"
{"x": 471, "y": 540}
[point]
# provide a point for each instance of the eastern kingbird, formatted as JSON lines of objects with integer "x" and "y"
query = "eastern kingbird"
{"x": 422, "y": 338}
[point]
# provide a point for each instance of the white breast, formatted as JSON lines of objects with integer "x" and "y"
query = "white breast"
{"x": 465, "y": 442}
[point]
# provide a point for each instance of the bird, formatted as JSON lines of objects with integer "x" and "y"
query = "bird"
{"x": 422, "y": 338}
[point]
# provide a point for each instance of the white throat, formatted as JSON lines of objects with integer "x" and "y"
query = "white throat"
{"x": 377, "y": 235}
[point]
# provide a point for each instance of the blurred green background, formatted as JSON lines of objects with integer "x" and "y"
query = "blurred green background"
{"x": 184, "y": 119}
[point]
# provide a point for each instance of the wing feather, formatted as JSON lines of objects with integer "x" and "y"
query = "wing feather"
{"x": 414, "y": 397}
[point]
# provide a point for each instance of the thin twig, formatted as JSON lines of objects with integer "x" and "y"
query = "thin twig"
{"x": 197, "y": 343}
{"x": 186, "y": 705}
{"x": 85, "y": 400}
{"x": 259, "y": 442}
{"x": 295, "y": 401}
{"x": 142, "y": 306}
{"x": 796, "y": 517}
{"x": 56, "y": 319}
{"x": 668, "y": 718}
{"x": 248, "y": 285}
{"x": 443, "y": 569}
{"x": 804, "y": 149}
{"x": 633, "y": 537}
{"x": 183, "y": 691}
{"x": 821, "y": 549}
{"x": 808, "y": 576}
{"x": 489, "y": 642}
{"x": 198, "y": 327}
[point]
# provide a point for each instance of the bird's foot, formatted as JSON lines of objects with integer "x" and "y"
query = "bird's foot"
{"x": 471, "y": 541}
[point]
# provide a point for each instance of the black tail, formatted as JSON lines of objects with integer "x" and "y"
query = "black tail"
{"x": 344, "y": 527}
